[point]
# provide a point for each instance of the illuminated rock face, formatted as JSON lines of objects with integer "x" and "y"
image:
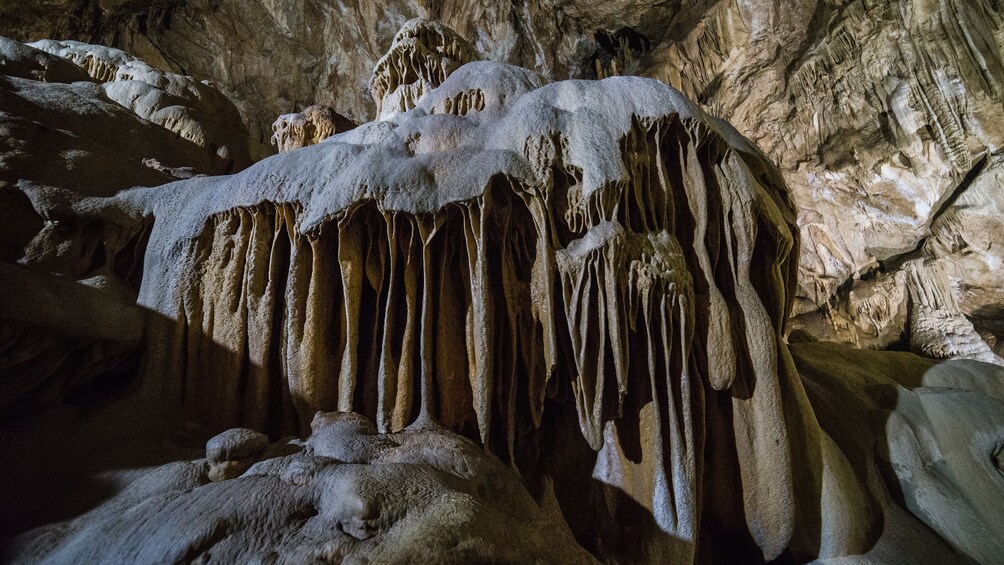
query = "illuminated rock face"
{"x": 195, "y": 110}
{"x": 886, "y": 133}
{"x": 926, "y": 436}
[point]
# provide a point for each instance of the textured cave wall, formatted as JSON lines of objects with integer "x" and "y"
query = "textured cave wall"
{"x": 71, "y": 267}
{"x": 880, "y": 118}
{"x": 880, "y": 114}
{"x": 276, "y": 58}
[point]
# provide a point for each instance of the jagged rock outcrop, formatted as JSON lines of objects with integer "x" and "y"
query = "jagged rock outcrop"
{"x": 346, "y": 493}
{"x": 25, "y": 61}
{"x": 70, "y": 267}
{"x": 311, "y": 126}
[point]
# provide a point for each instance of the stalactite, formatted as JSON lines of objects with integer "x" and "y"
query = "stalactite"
{"x": 627, "y": 290}
{"x": 420, "y": 58}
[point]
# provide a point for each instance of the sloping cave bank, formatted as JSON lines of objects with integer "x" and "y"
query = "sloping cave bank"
{"x": 543, "y": 312}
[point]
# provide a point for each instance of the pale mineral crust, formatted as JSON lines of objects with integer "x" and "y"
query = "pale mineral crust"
{"x": 194, "y": 110}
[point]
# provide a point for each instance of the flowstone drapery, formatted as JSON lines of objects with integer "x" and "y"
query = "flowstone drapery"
{"x": 605, "y": 243}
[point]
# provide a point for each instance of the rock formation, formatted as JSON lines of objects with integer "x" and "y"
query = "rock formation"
{"x": 71, "y": 268}
{"x": 590, "y": 280}
{"x": 926, "y": 437}
{"x": 346, "y": 493}
{"x": 422, "y": 55}
{"x": 469, "y": 264}
{"x": 192, "y": 109}
{"x": 937, "y": 327}
{"x": 881, "y": 115}
{"x": 313, "y": 125}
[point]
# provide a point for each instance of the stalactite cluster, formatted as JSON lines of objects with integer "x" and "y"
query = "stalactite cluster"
{"x": 422, "y": 55}
{"x": 631, "y": 272}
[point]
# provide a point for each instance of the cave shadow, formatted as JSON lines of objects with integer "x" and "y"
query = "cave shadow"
{"x": 606, "y": 520}
{"x": 845, "y": 420}
{"x": 854, "y": 397}
{"x": 68, "y": 454}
